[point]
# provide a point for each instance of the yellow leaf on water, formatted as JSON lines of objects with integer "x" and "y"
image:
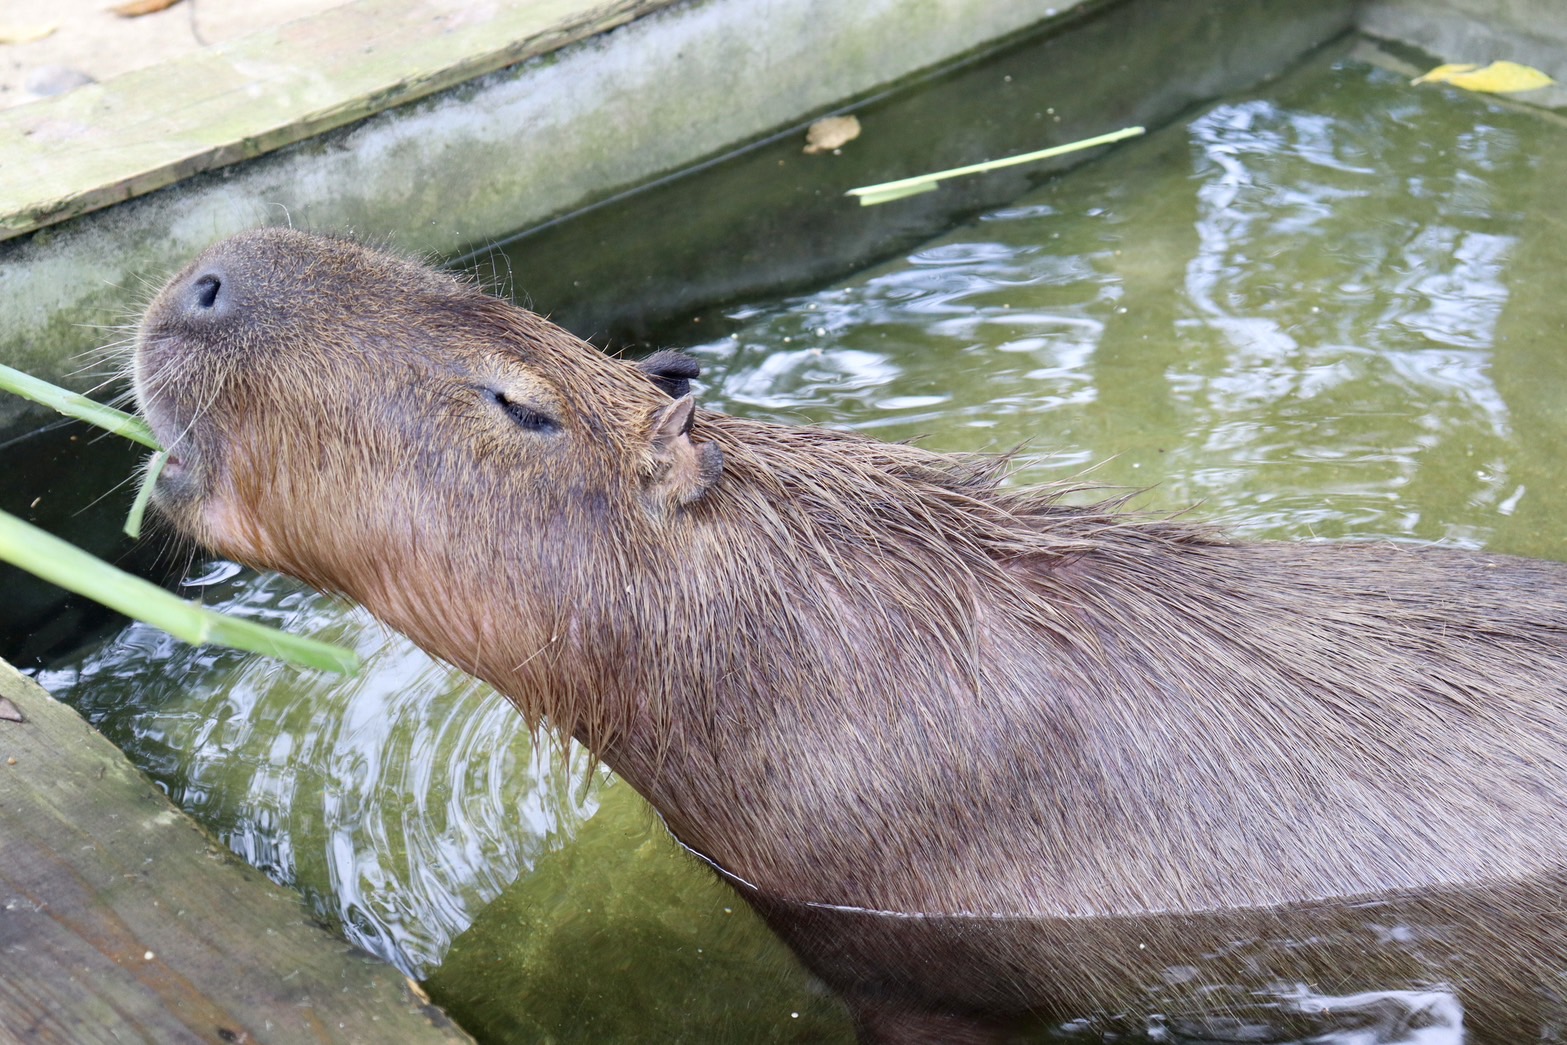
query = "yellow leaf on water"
{"x": 1496, "y": 78}
{"x": 24, "y": 34}
{"x": 1443, "y": 73}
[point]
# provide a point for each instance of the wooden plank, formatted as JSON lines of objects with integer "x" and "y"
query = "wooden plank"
{"x": 104, "y": 143}
{"x": 122, "y": 919}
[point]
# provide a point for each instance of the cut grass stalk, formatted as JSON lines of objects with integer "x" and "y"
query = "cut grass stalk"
{"x": 886, "y": 191}
{"x": 149, "y": 479}
{"x": 78, "y": 406}
{"x": 62, "y": 563}
{"x": 94, "y": 413}
{"x": 59, "y": 562}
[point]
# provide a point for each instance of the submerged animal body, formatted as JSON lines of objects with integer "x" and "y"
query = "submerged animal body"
{"x": 977, "y": 754}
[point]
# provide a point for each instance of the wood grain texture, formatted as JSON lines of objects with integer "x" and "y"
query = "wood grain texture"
{"x": 105, "y": 143}
{"x": 121, "y": 919}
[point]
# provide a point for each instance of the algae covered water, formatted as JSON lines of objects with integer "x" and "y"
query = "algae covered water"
{"x": 1331, "y": 308}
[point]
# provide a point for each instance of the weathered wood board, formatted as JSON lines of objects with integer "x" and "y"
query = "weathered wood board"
{"x": 121, "y": 919}
{"x": 105, "y": 143}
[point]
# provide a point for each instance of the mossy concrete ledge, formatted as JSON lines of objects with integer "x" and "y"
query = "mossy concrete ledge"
{"x": 121, "y": 919}
{"x": 439, "y": 123}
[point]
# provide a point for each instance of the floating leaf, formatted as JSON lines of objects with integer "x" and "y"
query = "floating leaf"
{"x": 831, "y": 132}
{"x": 870, "y": 195}
{"x": 78, "y": 406}
{"x": 25, "y": 34}
{"x": 1443, "y": 73}
{"x": 137, "y": 8}
{"x": 1496, "y": 78}
{"x": 59, "y": 562}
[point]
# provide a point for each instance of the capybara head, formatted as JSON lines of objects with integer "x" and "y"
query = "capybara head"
{"x": 314, "y": 428}
{"x": 564, "y": 524}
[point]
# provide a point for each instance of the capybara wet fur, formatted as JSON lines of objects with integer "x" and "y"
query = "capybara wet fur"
{"x": 984, "y": 758}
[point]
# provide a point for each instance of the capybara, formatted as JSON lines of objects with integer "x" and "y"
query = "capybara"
{"x": 978, "y": 754}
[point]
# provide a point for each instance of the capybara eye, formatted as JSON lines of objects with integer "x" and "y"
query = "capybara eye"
{"x": 525, "y": 416}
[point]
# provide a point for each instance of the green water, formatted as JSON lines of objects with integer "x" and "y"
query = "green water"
{"x": 1331, "y": 308}
{"x": 1335, "y": 311}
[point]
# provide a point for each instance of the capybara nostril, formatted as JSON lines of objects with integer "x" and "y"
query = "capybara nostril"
{"x": 208, "y": 296}
{"x": 207, "y": 288}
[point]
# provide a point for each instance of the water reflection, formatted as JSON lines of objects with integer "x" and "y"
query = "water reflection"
{"x": 1286, "y": 310}
{"x": 400, "y": 801}
{"x": 1424, "y": 1017}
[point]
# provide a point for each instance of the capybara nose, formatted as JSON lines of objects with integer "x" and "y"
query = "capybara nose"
{"x": 208, "y": 295}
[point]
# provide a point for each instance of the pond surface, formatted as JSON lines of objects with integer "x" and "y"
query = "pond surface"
{"x": 1329, "y": 308}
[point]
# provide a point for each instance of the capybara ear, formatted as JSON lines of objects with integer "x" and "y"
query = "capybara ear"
{"x": 682, "y": 471}
{"x": 670, "y": 370}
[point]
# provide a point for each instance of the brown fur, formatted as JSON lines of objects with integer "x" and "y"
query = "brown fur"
{"x": 866, "y": 675}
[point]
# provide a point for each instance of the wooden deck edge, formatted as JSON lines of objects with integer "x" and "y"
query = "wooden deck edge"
{"x": 122, "y": 919}
{"x": 106, "y": 143}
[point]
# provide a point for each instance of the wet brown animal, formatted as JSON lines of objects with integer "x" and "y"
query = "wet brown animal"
{"x": 975, "y": 753}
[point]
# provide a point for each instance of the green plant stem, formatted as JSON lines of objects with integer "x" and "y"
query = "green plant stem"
{"x": 78, "y": 406}
{"x": 886, "y": 191}
{"x": 62, "y": 563}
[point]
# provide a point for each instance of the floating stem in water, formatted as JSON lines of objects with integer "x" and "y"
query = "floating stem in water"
{"x": 886, "y": 191}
